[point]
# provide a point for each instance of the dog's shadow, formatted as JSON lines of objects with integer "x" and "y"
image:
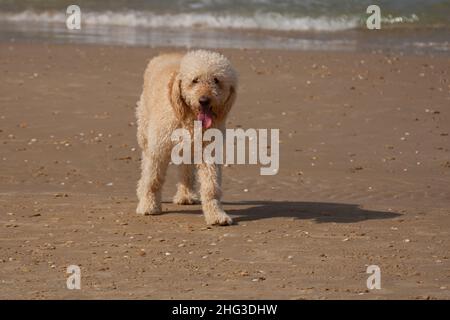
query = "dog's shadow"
{"x": 321, "y": 212}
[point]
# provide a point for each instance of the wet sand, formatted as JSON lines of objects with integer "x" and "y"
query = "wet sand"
{"x": 364, "y": 180}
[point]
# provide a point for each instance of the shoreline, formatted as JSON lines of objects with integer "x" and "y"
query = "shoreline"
{"x": 405, "y": 40}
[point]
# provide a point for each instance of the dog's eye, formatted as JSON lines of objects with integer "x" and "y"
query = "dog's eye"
{"x": 216, "y": 81}
{"x": 195, "y": 80}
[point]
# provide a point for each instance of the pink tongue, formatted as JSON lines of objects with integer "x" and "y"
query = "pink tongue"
{"x": 206, "y": 119}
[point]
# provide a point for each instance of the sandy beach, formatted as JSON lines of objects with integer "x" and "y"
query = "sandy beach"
{"x": 364, "y": 180}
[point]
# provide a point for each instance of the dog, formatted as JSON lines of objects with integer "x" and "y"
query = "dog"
{"x": 178, "y": 90}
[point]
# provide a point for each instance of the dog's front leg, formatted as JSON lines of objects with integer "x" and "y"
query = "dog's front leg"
{"x": 210, "y": 180}
{"x": 154, "y": 166}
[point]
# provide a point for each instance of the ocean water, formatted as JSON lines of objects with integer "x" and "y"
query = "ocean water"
{"x": 412, "y": 25}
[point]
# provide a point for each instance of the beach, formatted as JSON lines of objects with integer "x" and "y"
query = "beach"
{"x": 363, "y": 180}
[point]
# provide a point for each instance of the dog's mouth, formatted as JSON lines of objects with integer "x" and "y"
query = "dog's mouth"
{"x": 206, "y": 116}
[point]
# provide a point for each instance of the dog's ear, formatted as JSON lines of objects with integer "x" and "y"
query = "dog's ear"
{"x": 223, "y": 112}
{"x": 175, "y": 96}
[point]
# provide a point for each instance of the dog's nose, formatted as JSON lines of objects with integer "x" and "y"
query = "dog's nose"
{"x": 204, "y": 101}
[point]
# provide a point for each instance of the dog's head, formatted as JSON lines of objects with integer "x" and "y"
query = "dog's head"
{"x": 204, "y": 87}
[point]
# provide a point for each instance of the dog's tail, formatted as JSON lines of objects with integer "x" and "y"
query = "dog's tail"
{"x": 141, "y": 123}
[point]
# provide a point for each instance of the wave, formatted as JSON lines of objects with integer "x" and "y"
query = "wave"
{"x": 261, "y": 21}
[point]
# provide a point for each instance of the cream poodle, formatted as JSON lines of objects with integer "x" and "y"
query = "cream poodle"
{"x": 179, "y": 89}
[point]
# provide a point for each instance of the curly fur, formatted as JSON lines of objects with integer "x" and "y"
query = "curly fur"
{"x": 173, "y": 85}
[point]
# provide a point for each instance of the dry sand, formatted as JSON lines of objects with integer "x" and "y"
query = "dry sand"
{"x": 364, "y": 179}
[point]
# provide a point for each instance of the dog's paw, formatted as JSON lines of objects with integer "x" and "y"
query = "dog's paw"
{"x": 183, "y": 198}
{"x": 148, "y": 209}
{"x": 219, "y": 217}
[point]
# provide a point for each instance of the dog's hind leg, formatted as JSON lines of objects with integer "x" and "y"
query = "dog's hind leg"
{"x": 186, "y": 187}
